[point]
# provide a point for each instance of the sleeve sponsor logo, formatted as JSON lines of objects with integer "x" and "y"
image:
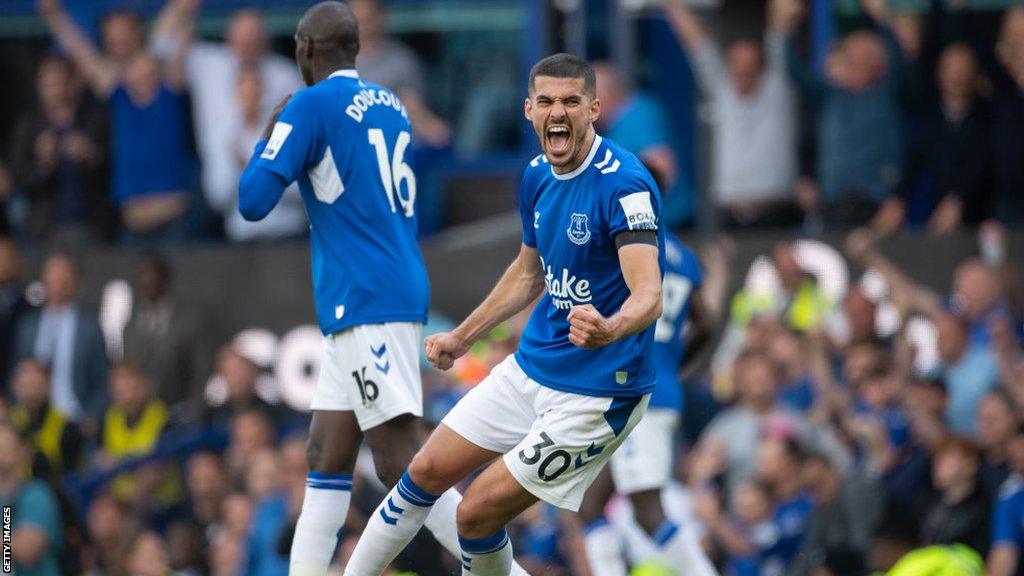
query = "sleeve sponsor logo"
{"x": 639, "y": 212}
{"x": 277, "y": 138}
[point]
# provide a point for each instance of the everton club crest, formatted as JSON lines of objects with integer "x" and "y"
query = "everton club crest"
{"x": 578, "y": 231}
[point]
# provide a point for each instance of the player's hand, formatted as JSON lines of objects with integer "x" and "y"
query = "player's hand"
{"x": 443, "y": 349}
{"x": 269, "y": 129}
{"x": 588, "y": 329}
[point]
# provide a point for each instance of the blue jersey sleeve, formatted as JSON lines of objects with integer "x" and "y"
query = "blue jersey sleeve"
{"x": 297, "y": 142}
{"x": 526, "y": 213}
{"x": 634, "y": 206}
{"x": 1008, "y": 521}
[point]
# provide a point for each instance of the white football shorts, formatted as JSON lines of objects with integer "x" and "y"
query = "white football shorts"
{"x": 644, "y": 461}
{"x": 372, "y": 370}
{"x": 555, "y": 443}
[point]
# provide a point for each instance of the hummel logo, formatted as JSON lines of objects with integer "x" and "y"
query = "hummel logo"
{"x": 592, "y": 450}
{"x": 394, "y": 510}
{"x": 385, "y": 366}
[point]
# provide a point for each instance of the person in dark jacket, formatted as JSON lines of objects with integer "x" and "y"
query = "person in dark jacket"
{"x": 59, "y": 159}
{"x": 67, "y": 337}
{"x": 961, "y": 513}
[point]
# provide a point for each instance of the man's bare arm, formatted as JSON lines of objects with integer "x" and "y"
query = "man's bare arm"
{"x": 101, "y": 74}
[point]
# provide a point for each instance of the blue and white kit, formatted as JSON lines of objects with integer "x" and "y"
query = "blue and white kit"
{"x": 558, "y": 411}
{"x": 347, "y": 144}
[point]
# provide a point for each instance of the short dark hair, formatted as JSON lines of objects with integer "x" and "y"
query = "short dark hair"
{"x": 564, "y": 65}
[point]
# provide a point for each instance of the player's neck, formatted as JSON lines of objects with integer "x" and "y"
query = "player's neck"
{"x": 322, "y": 71}
{"x": 581, "y": 155}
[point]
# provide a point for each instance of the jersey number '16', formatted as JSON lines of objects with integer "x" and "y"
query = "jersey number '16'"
{"x": 394, "y": 170}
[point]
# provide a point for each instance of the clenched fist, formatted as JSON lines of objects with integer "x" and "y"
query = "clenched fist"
{"x": 588, "y": 328}
{"x": 443, "y": 349}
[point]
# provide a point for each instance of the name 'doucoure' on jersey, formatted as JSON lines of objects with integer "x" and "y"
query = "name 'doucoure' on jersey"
{"x": 572, "y": 220}
{"x": 347, "y": 143}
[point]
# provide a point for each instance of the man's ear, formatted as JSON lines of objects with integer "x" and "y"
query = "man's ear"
{"x": 528, "y": 109}
{"x": 595, "y": 110}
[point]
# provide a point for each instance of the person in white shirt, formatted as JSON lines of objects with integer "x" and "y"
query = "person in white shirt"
{"x": 288, "y": 218}
{"x": 754, "y": 132}
{"x": 212, "y": 73}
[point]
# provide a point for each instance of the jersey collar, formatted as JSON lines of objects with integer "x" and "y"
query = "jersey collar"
{"x": 586, "y": 162}
{"x": 347, "y": 73}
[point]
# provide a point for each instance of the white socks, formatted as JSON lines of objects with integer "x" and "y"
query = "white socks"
{"x": 488, "y": 556}
{"x": 604, "y": 549}
{"x": 396, "y": 521}
{"x": 680, "y": 548}
{"x": 324, "y": 509}
{"x": 677, "y": 546}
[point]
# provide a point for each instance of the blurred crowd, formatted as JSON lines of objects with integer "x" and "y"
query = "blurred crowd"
{"x": 139, "y": 139}
{"x": 910, "y": 118}
{"x": 837, "y": 424}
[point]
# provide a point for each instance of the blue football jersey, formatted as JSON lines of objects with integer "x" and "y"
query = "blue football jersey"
{"x": 572, "y": 220}
{"x": 681, "y": 277}
{"x": 347, "y": 143}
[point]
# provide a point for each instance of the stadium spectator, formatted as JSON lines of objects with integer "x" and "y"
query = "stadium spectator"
{"x": 270, "y": 516}
{"x": 796, "y": 386}
{"x": 636, "y": 122}
{"x": 386, "y": 61}
{"x": 37, "y": 537}
{"x": 739, "y": 532}
{"x": 150, "y": 148}
{"x": 12, "y": 305}
{"x": 59, "y": 160}
{"x": 859, "y": 317}
{"x": 236, "y": 514}
{"x": 68, "y": 339}
{"x": 859, "y": 139}
{"x": 185, "y": 548}
{"x": 50, "y": 432}
{"x": 207, "y": 484}
{"x": 847, "y": 509}
{"x": 799, "y": 301}
{"x": 146, "y": 555}
{"x": 754, "y": 132}
{"x": 956, "y": 150}
{"x": 1004, "y": 65}
{"x": 107, "y": 522}
{"x": 212, "y": 71}
{"x": 997, "y": 421}
{"x": 961, "y": 514}
{"x": 288, "y": 218}
{"x": 780, "y": 461}
{"x": 227, "y": 555}
{"x": 251, "y": 432}
{"x": 733, "y": 434}
{"x": 240, "y": 375}
{"x": 1007, "y": 529}
{"x": 121, "y": 36}
{"x": 162, "y": 336}
{"x": 132, "y": 427}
